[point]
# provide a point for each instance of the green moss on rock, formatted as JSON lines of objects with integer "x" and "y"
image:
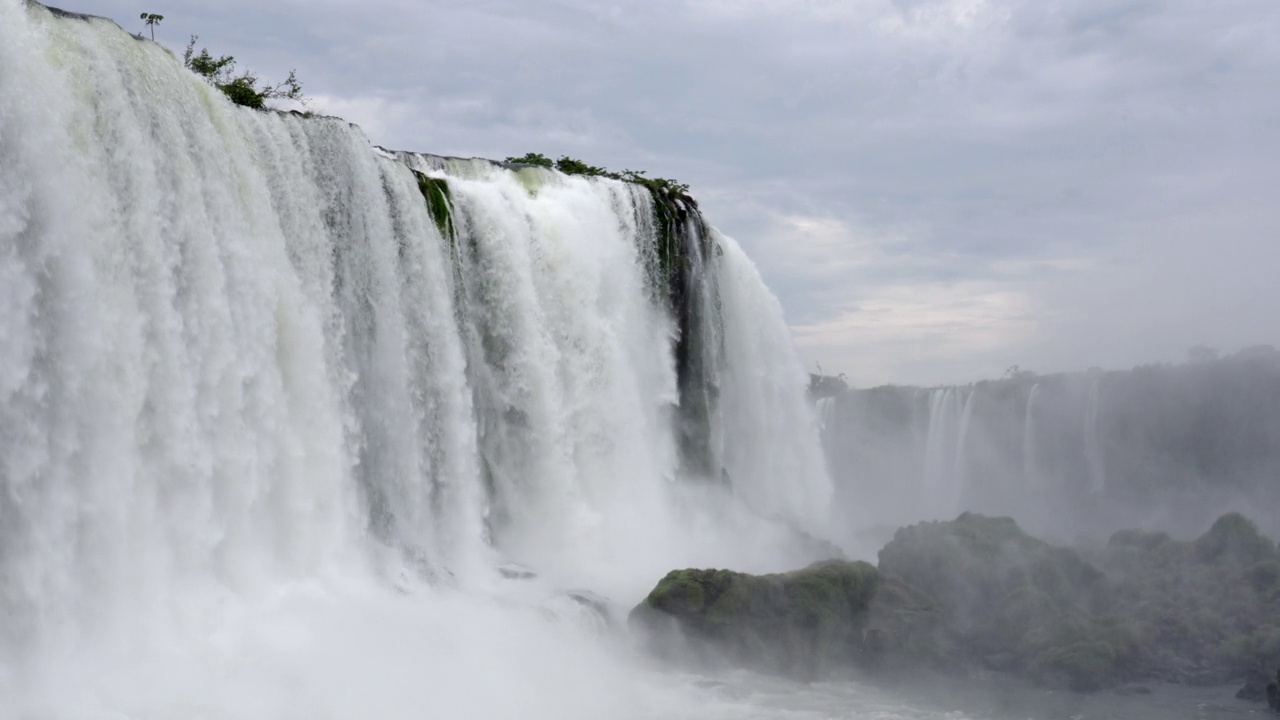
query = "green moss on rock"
{"x": 1234, "y": 537}
{"x": 439, "y": 203}
{"x": 794, "y": 623}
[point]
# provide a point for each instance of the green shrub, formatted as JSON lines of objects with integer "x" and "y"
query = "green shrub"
{"x": 242, "y": 89}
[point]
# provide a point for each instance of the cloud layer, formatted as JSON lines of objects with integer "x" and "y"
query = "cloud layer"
{"x": 936, "y": 189}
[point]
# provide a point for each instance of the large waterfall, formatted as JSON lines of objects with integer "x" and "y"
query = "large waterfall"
{"x": 280, "y": 410}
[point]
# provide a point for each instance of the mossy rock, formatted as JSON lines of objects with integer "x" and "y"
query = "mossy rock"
{"x": 973, "y": 563}
{"x": 439, "y": 199}
{"x": 1234, "y": 537}
{"x": 1141, "y": 539}
{"x": 795, "y": 623}
{"x": 902, "y": 628}
{"x": 1086, "y": 665}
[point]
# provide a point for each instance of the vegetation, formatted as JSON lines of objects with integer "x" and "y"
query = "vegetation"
{"x": 571, "y": 166}
{"x": 243, "y": 88}
{"x": 793, "y": 623}
{"x": 978, "y": 591}
{"x": 439, "y": 203}
{"x": 152, "y": 20}
{"x": 821, "y": 386}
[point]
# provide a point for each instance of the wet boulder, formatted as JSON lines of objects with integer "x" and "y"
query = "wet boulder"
{"x": 1008, "y": 601}
{"x": 799, "y": 623}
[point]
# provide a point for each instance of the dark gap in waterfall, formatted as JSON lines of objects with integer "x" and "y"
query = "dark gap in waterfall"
{"x": 439, "y": 204}
{"x": 683, "y": 244}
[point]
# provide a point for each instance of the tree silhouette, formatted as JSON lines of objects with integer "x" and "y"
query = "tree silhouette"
{"x": 152, "y": 20}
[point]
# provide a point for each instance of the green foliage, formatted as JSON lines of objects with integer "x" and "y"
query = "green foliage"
{"x": 536, "y": 159}
{"x": 1085, "y": 665}
{"x": 976, "y": 560}
{"x": 570, "y": 166}
{"x": 662, "y": 187}
{"x": 439, "y": 203}
{"x": 1234, "y": 537}
{"x": 151, "y": 20}
{"x": 795, "y": 623}
{"x": 980, "y": 590}
{"x": 243, "y": 88}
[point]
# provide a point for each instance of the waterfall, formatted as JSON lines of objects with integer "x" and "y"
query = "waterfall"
{"x": 1030, "y": 463}
{"x": 960, "y": 484}
{"x": 943, "y": 452}
{"x": 246, "y": 357}
{"x": 1092, "y": 447}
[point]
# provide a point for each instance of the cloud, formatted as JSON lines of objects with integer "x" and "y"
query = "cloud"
{"x": 923, "y": 333}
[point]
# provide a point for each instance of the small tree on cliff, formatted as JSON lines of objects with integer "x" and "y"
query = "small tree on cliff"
{"x": 152, "y": 20}
{"x": 242, "y": 89}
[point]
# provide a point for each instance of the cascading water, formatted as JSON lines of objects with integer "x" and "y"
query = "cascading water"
{"x": 959, "y": 494}
{"x": 1067, "y": 455}
{"x": 950, "y": 411}
{"x": 275, "y": 407}
{"x": 1030, "y": 456}
{"x": 1092, "y": 444}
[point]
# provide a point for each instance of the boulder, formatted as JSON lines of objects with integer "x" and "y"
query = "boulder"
{"x": 1008, "y": 601}
{"x": 1234, "y": 538}
{"x": 798, "y": 623}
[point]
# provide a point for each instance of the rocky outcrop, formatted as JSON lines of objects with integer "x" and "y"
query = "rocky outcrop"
{"x": 797, "y": 623}
{"x": 1009, "y": 601}
{"x": 978, "y": 592}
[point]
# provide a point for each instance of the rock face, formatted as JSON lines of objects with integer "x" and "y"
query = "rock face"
{"x": 1205, "y": 612}
{"x": 1144, "y": 607}
{"x": 980, "y": 592}
{"x": 1011, "y": 602}
{"x": 795, "y": 623}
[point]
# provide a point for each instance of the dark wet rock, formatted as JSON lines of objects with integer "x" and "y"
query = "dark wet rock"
{"x": 596, "y": 603}
{"x": 978, "y": 594}
{"x": 1234, "y": 538}
{"x": 514, "y": 571}
{"x": 1011, "y": 602}
{"x": 798, "y": 623}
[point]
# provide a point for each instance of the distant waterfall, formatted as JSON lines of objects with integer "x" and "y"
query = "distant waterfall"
{"x": 949, "y": 413}
{"x": 1030, "y": 458}
{"x": 1159, "y": 446}
{"x": 959, "y": 488}
{"x": 1092, "y": 445}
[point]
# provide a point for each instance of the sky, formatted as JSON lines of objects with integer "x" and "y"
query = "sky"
{"x": 936, "y": 190}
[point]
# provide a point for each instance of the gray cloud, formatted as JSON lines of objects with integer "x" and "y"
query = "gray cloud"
{"x": 936, "y": 189}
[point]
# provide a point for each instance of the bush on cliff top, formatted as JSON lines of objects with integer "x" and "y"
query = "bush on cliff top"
{"x": 243, "y": 88}
{"x": 663, "y": 187}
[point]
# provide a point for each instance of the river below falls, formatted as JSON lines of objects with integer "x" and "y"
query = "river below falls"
{"x": 740, "y": 695}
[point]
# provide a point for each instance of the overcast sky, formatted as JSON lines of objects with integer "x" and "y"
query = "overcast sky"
{"x": 935, "y": 189}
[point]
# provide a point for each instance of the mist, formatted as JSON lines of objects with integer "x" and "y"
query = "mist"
{"x": 1071, "y": 456}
